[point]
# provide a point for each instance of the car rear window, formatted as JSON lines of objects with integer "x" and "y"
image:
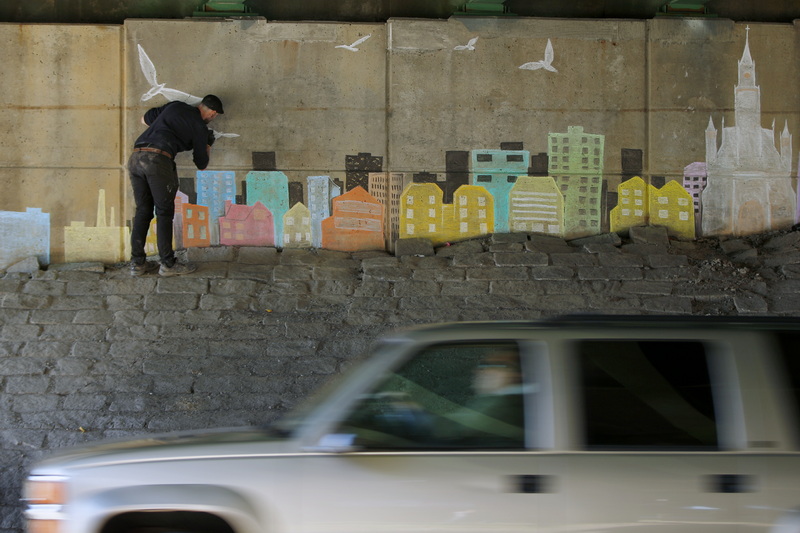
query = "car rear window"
{"x": 646, "y": 394}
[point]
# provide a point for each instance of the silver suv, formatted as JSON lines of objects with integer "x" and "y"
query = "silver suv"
{"x": 587, "y": 424}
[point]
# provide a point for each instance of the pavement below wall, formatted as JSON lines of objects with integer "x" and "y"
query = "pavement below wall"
{"x": 88, "y": 352}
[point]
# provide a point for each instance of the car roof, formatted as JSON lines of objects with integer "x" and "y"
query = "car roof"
{"x": 605, "y": 322}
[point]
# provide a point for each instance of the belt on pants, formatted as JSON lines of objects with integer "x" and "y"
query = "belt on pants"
{"x": 154, "y": 150}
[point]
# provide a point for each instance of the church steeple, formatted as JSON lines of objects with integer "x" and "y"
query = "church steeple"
{"x": 747, "y": 100}
{"x": 711, "y": 143}
{"x": 747, "y": 69}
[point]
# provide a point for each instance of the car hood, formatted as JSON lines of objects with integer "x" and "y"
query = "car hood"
{"x": 168, "y": 446}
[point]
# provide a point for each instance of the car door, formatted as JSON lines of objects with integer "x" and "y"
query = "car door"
{"x": 436, "y": 445}
{"x": 648, "y": 444}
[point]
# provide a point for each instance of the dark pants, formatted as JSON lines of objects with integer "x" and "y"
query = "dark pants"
{"x": 154, "y": 179}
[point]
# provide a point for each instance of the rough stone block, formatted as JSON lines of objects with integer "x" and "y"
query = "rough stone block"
{"x": 507, "y": 247}
{"x": 552, "y": 273}
{"x": 513, "y": 273}
{"x": 292, "y": 273}
{"x": 787, "y": 240}
{"x": 180, "y": 284}
{"x": 258, "y": 255}
{"x": 521, "y": 259}
{"x": 28, "y": 265}
{"x": 387, "y": 273}
{"x": 52, "y": 288}
{"x": 464, "y": 288}
{"x": 416, "y": 288}
{"x": 417, "y": 246}
{"x": 616, "y": 259}
{"x": 605, "y": 238}
{"x": 668, "y": 305}
{"x": 465, "y": 247}
{"x": 730, "y": 246}
{"x": 750, "y": 304}
{"x": 498, "y": 238}
{"x": 609, "y": 273}
{"x": 573, "y": 260}
{"x": 211, "y": 253}
{"x": 656, "y": 235}
{"x": 475, "y": 260}
{"x": 158, "y": 302}
{"x": 667, "y": 261}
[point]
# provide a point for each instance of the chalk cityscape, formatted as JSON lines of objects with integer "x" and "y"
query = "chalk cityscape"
{"x": 743, "y": 187}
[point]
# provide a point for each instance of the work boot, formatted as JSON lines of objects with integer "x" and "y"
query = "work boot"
{"x": 176, "y": 269}
{"x": 140, "y": 269}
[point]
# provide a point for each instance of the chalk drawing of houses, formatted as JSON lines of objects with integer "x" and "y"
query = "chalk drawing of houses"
{"x": 632, "y": 206}
{"x": 192, "y": 224}
{"x": 271, "y": 188}
{"x": 24, "y": 235}
{"x": 749, "y": 187}
{"x": 536, "y": 206}
{"x": 421, "y": 212}
{"x": 246, "y": 225}
{"x": 297, "y": 227}
{"x": 671, "y": 206}
{"x": 356, "y": 223}
{"x": 472, "y": 213}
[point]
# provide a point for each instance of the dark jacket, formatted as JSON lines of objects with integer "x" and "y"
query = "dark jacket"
{"x": 177, "y": 127}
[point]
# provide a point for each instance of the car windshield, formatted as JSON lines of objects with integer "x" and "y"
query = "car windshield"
{"x": 289, "y": 423}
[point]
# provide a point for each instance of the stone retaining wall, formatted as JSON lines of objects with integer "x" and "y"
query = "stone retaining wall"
{"x": 87, "y": 352}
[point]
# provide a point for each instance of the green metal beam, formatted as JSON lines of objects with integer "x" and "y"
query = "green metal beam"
{"x": 686, "y": 8}
{"x": 483, "y": 7}
{"x": 224, "y": 8}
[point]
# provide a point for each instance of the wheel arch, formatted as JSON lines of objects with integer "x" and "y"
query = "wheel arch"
{"x": 177, "y": 507}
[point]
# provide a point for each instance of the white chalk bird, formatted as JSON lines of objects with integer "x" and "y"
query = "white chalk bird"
{"x": 218, "y": 134}
{"x": 469, "y": 46}
{"x": 546, "y": 63}
{"x": 149, "y": 71}
{"x": 353, "y": 47}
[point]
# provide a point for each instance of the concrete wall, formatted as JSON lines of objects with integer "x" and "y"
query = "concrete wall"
{"x": 411, "y": 101}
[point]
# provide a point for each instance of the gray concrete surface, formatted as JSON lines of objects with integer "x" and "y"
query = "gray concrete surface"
{"x": 88, "y": 353}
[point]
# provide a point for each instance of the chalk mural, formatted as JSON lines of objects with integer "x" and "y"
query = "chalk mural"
{"x": 149, "y": 71}
{"x": 546, "y": 63}
{"x": 748, "y": 186}
{"x": 101, "y": 242}
{"x": 744, "y": 186}
{"x": 24, "y": 235}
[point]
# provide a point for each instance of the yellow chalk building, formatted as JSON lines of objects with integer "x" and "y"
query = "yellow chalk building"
{"x": 632, "y": 205}
{"x": 424, "y": 215}
{"x": 672, "y": 206}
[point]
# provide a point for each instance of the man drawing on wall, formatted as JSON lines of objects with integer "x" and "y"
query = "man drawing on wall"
{"x": 172, "y": 128}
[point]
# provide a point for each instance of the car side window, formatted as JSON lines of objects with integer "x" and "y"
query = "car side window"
{"x": 448, "y": 396}
{"x": 646, "y": 394}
